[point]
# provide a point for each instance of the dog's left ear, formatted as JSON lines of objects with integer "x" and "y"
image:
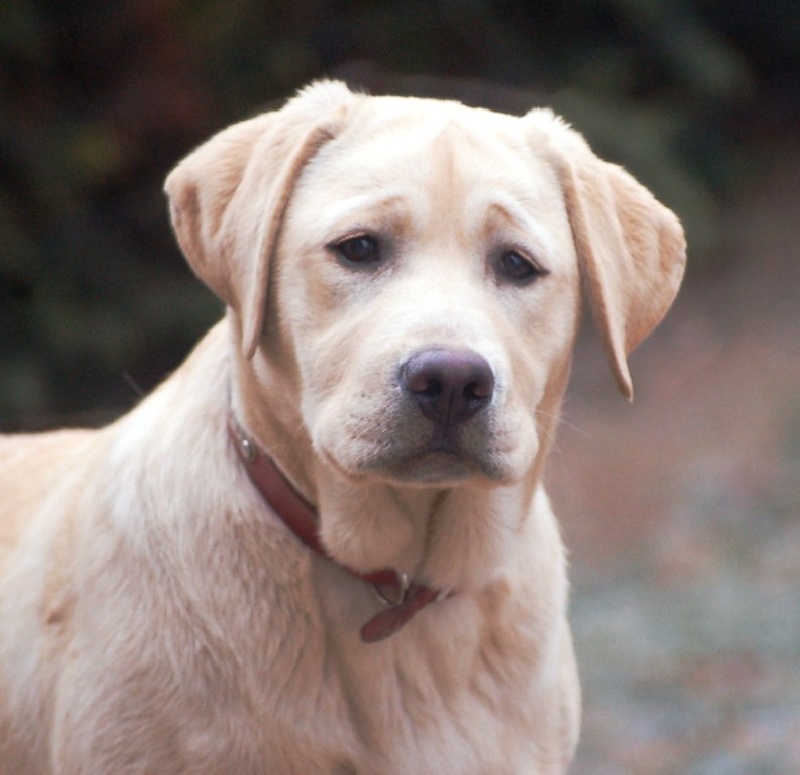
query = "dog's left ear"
{"x": 631, "y": 248}
{"x": 227, "y": 198}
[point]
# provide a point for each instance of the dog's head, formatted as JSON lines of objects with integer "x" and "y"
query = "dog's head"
{"x": 421, "y": 264}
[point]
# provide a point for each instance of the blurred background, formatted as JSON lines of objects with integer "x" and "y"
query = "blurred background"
{"x": 681, "y": 511}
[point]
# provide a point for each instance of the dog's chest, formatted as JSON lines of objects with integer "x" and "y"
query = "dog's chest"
{"x": 428, "y": 699}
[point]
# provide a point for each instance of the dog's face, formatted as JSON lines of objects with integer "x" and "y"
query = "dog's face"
{"x": 427, "y": 279}
{"x": 421, "y": 264}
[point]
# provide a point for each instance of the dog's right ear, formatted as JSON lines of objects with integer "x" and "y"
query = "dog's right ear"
{"x": 227, "y": 198}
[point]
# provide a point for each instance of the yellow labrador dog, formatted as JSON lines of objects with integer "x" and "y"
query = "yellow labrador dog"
{"x": 322, "y": 545}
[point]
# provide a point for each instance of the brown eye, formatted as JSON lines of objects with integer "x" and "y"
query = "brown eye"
{"x": 513, "y": 267}
{"x": 359, "y": 250}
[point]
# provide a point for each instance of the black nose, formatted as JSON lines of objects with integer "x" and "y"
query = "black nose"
{"x": 449, "y": 386}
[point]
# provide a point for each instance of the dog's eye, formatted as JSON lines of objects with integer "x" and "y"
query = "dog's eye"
{"x": 359, "y": 250}
{"x": 512, "y": 266}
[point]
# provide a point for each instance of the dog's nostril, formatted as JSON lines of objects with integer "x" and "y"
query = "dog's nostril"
{"x": 481, "y": 388}
{"x": 433, "y": 388}
{"x": 449, "y": 386}
{"x": 420, "y": 380}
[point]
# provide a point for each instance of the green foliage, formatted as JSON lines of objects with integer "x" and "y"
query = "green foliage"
{"x": 99, "y": 99}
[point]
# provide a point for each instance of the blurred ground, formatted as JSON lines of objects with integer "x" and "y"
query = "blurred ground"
{"x": 682, "y": 515}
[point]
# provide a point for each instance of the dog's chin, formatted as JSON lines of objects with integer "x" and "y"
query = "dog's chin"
{"x": 428, "y": 468}
{"x": 432, "y": 469}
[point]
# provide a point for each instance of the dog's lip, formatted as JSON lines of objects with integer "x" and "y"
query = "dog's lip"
{"x": 436, "y": 450}
{"x": 357, "y": 476}
{"x": 430, "y": 462}
{"x": 409, "y": 467}
{"x": 443, "y": 444}
{"x": 430, "y": 467}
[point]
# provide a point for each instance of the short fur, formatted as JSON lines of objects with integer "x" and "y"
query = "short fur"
{"x": 156, "y": 616}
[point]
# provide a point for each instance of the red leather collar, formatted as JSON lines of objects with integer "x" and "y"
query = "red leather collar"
{"x": 401, "y": 597}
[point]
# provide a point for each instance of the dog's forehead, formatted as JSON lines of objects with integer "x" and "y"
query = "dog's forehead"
{"x": 403, "y": 146}
{"x": 436, "y": 132}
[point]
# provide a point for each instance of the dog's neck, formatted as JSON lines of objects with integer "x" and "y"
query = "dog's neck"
{"x": 402, "y": 597}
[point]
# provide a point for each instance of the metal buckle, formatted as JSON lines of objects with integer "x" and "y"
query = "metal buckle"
{"x": 249, "y": 449}
{"x": 404, "y": 587}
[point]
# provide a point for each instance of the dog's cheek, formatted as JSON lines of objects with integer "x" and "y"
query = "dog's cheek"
{"x": 347, "y": 408}
{"x": 512, "y": 443}
{"x": 531, "y": 382}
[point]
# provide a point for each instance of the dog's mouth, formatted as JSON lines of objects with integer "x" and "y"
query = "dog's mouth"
{"x": 445, "y": 441}
{"x": 444, "y": 461}
{"x": 441, "y": 466}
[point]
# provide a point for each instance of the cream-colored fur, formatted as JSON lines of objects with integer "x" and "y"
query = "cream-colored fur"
{"x": 156, "y": 617}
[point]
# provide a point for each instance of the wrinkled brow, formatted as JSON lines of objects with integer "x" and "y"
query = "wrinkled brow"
{"x": 511, "y": 218}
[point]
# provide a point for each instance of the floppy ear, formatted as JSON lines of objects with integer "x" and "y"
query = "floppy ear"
{"x": 631, "y": 248}
{"x": 227, "y": 198}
